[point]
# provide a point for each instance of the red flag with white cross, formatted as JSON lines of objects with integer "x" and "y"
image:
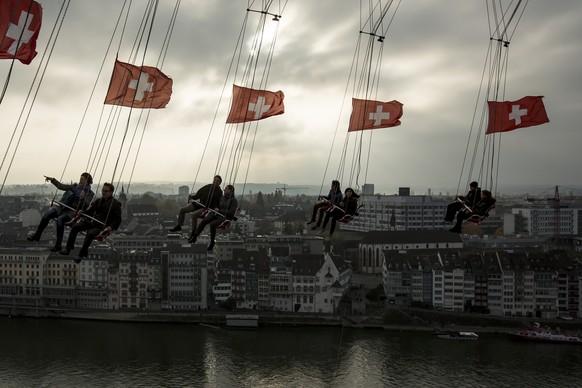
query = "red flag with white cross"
{"x": 138, "y": 87}
{"x": 251, "y": 104}
{"x": 368, "y": 114}
{"x": 509, "y": 115}
{"x": 20, "y": 22}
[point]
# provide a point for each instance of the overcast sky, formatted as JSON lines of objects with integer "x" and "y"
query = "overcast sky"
{"x": 434, "y": 55}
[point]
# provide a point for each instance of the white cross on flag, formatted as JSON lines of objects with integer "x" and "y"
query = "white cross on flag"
{"x": 251, "y": 105}
{"x": 20, "y": 22}
{"x": 138, "y": 87}
{"x": 368, "y": 114}
{"x": 509, "y": 115}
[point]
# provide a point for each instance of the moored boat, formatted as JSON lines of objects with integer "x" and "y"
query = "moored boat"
{"x": 545, "y": 334}
{"x": 242, "y": 321}
{"x": 461, "y": 335}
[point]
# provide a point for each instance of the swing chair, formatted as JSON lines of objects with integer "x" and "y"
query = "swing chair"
{"x": 488, "y": 148}
{"x": 474, "y": 217}
{"x": 104, "y": 139}
{"x": 240, "y": 130}
{"x": 348, "y": 217}
{"x": 126, "y": 90}
{"x": 368, "y": 114}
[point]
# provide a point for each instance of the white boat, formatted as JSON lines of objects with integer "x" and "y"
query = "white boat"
{"x": 461, "y": 335}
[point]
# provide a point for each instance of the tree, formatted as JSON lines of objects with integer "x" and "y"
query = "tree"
{"x": 376, "y": 294}
{"x": 260, "y": 201}
{"x": 265, "y": 227}
{"x": 168, "y": 207}
{"x": 147, "y": 198}
{"x": 229, "y": 304}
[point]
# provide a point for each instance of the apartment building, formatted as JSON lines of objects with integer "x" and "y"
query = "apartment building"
{"x": 398, "y": 213}
{"x": 184, "y": 280}
{"x": 374, "y": 243}
{"x": 539, "y": 221}
{"x": 498, "y": 283}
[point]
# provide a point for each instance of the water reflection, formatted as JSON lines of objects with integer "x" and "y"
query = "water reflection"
{"x": 68, "y": 353}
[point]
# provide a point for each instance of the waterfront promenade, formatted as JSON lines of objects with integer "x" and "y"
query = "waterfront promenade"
{"x": 389, "y": 318}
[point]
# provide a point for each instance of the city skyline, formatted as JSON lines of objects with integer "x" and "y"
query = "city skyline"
{"x": 432, "y": 63}
{"x": 172, "y": 188}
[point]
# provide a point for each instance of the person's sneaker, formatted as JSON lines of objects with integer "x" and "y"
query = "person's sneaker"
{"x": 193, "y": 238}
{"x": 77, "y": 259}
{"x": 64, "y": 252}
{"x": 176, "y": 228}
{"x": 56, "y": 248}
{"x": 33, "y": 237}
{"x": 211, "y": 245}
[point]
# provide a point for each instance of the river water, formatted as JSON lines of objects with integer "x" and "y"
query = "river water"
{"x": 76, "y": 353}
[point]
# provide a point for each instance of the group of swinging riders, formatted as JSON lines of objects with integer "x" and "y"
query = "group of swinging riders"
{"x": 216, "y": 208}
{"x": 473, "y": 207}
{"x": 76, "y": 209}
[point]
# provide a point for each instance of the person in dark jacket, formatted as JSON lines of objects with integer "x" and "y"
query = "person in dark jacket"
{"x": 334, "y": 197}
{"x": 225, "y": 211}
{"x": 105, "y": 216}
{"x": 481, "y": 209}
{"x": 76, "y": 196}
{"x": 208, "y": 196}
{"x": 348, "y": 206}
{"x": 472, "y": 197}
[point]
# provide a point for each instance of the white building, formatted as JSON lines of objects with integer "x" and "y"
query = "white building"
{"x": 544, "y": 221}
{"x": 30, "y": 217}
{"x": 186, "y": 277}
{"x": 332, "y": 282}
{"x": 398, "y": 212}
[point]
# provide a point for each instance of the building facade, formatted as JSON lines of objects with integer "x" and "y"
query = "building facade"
{"x": 498, "y": 283}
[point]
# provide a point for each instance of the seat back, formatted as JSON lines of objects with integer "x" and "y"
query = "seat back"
{"x": 224, "y": 224}
{"x": 476, "y": 218}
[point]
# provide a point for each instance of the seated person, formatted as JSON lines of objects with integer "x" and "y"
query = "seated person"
{"x": 460, "y": 202}
{"x": 76, "y": 196}
{"x": 348, "y": 206}
{"x": 105, "y": 215}
{"x": 207, "y": 196}
{"x": 333, "y": 198}
{"x": 225, "y": 211}
{"x": 481, "y": 208}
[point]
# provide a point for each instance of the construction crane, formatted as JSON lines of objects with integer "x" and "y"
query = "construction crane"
{"x": 285, "y": 188}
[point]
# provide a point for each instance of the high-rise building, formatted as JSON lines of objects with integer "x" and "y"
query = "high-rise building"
{"x": 183, "y": 191}
{"x": 398, "y": 212}
{"x": 368, "y": 189}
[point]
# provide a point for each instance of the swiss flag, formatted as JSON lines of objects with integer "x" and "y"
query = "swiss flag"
{"x": 251, "y": 104}
{"x": 138, "y": 87}
{"x": 368, "y": 114}
{"x": 20, "y": 22}
{"x": 509, "y": 115}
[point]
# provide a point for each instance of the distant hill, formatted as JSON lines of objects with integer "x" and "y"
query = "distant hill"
{"x": 171, "y": 188}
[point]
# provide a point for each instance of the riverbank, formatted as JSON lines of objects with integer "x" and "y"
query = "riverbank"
{"x": 386, "y": 318}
